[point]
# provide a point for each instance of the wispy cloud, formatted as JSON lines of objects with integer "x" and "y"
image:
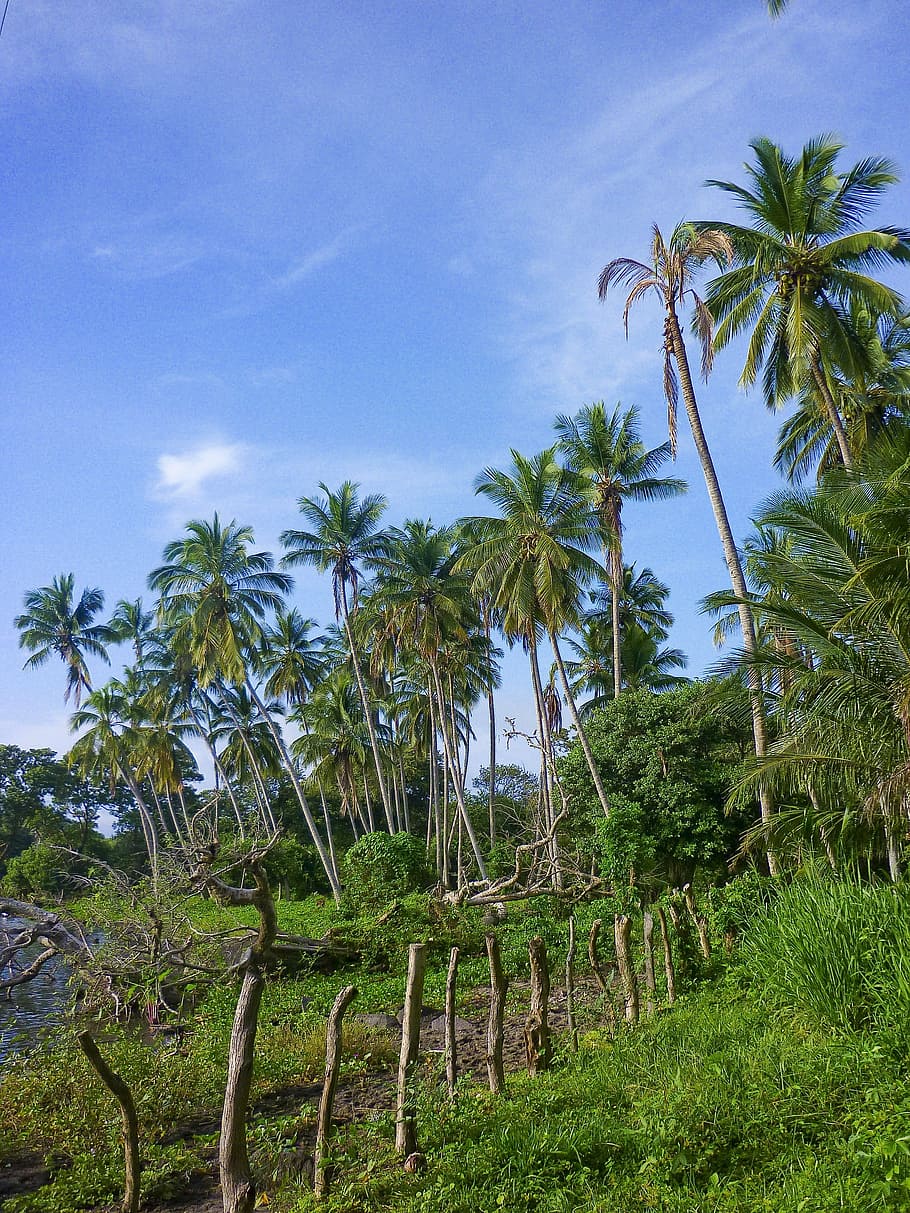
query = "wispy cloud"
{"x": 183, "y": 476}
{"x": 315, "y": 260}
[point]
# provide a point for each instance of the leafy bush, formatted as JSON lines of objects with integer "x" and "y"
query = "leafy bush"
{"x": 380, "y": 868}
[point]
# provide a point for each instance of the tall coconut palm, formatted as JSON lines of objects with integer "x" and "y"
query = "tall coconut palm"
{"x": 532, "y": 563}
{"x": 344, "y": 537}
{"x": 53, "y": 623}
{"x": 428, "y": 607}
{"x": 670, "y": 275}
{"x": 103, "y": 751}
{"x": 800, "y": 266}
{"x": 216, "y": 593}
{"x": 613, "y": 465}
{"x": 133, "y": 624}
{"x": 877, "y": 394}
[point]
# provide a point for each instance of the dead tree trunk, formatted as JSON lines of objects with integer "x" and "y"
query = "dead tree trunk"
{"x": 570, "y": 988}
{"x": 499, "y": 986}
{"x": 698, "y": 919}
{"x": 622, "y": 930}
{"x": 450, "y": 1042}
{"x": 332, "y": 1062}
{"x": 669, "y": 970}
{"x": 130, "y": 1131}
{"x": 405, "y": 1134}
{"x": 238, "y": 1191}
{"x": 650, "y": 980}
{"x": 538, "y": 1045}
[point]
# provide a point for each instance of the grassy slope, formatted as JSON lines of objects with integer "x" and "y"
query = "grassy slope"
{"x": 720, "y": 1104}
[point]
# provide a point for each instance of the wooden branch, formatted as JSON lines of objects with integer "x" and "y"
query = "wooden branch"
{"x": 622, "y": 929}
{"x": 669, "y": 968}
{"x": 130, "y": 1130}
{"x": 650, "y": 980}
{"x": 326, "y": 1102}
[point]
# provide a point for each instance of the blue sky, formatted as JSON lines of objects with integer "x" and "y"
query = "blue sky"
{"x": 248, "y": 247}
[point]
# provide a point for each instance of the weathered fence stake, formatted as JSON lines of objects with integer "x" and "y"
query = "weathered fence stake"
{"x": 538, "y": 1045}
{"x": 405, "y": 1135}
{"x": 622, "y": 930}
{"x": 701, "y": 925}
{"x": 669, "y": 969}
{"x": 332, "y": 1062}
{"x": 602, "y": 981}
{"x": 450, "y": 1042}
{"x": 499, "y": 986}
{"x": 124, "y": 1097}
{"x": 570, "y": 987}
{"x": 650, "y": 980}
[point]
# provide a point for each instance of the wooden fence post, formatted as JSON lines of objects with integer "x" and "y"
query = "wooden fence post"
{"x": 405, "y": 1135}
{"x": 538, "y": 1045}
{"x": 599, "y": 973}
{"x": 570, "y": 987}
{"x": 332, "y": 1062}
{"x": 669, "y": 968}
{"x": 499, "y": 986}
{"x": 650, "y": 980}
{"x": 622, "y": 930}
{"x": 451, "y": 1045}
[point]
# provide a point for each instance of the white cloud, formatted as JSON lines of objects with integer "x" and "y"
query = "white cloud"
{"x": 181, "y": 476}
{"x": 315, "y": 260}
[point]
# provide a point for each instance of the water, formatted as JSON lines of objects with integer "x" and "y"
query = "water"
{"x": 37, "y": 1004}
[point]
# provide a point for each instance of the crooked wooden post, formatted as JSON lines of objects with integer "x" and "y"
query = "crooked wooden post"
{"x": 650, "y": 979}
{"x": 669, "y": 968}
{"x": 332, "y": 1062}
{"x": 130, "y": 1130}
{"x": 451, "y": 1045}
{"x": 570, "y": 987}
{"x": 698, "y": 919}
{"x": 405, "y": 1132}
{"x": 622, "y": 930}
{"x": 599, "y": 975}
{"x": 499, "y": 986}
{"x": 538, "y": 1045}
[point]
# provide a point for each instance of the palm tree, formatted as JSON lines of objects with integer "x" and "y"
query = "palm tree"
{"x": 877, "y": 394}
{"x": 642, "y": 601}
{"x": 837, "y": 585}
{"x": 613, "y": 465}
{"x": 344, "y": 536}
{"x": 427, "y": 607}
{"x": 799, "y": 267}
{"x": 52, "y": 624}
{"x": 215, "y": 593}
{"x": 104, "y": 751}
{"x": 531, "y": 562}
{"x": 670, "y": 275}
{"x": 133, "y": 623}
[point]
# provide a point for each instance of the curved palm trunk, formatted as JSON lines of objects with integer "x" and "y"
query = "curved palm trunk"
{"x": 576, "y": 720}
{"x": 368, "y": 714}
{"x": 759, "y": 730}
{"x": 268, "y": 817}
{"x": 491, "y": 710}
{"x": 324, "y": 856}
{"x": 547, "y": 760}
{"x": 833, "y": 412}
{"x": 455, "y": 774}
{"x": 616, "y": 577}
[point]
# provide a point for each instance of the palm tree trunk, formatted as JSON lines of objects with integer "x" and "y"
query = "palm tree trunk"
{"x": 616, "y": 578}
{"x": 367, "y": 711}
{"x": 833, "y": 412}
{"x": 759, "y": 730}
{"x": 298, "y": 789}
{"x": 491, "y": 709}
{"x": 547, "y": 756}
{"x": 455, "y": 775}
{"x": 576, "y": 720}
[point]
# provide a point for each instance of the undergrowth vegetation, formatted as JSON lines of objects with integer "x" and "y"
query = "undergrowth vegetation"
{"x": 777, "y": 1083}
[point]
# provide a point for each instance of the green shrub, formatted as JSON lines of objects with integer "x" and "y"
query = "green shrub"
{"x": 381, "y": 867}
